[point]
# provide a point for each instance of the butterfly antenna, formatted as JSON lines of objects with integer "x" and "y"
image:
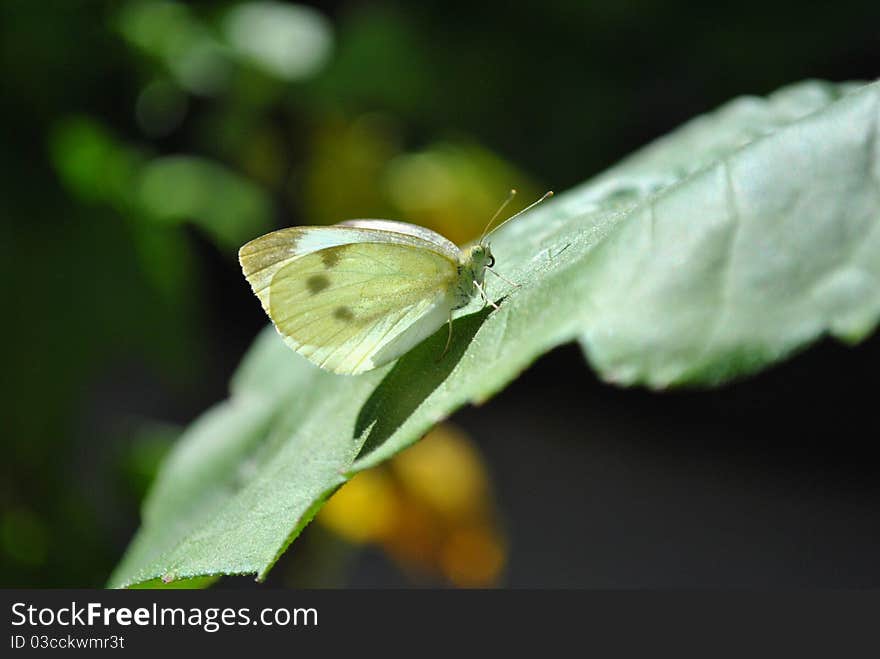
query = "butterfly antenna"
{"x": 510, "y": 196}
{"x": 547, "y": 195}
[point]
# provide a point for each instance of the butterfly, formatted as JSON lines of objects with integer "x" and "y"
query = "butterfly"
{"x": 356, "y": 295}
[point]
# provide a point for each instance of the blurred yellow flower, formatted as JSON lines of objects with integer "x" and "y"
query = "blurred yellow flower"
{"x": 473, "y": 557}
{"x": 364, "y": 510}
{"x": 430, "y": 509}
{"x": 445, "y": 471}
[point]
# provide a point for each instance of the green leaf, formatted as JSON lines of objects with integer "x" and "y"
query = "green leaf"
{"x": 715, "y": 251}
{"x": 760, "y": 235}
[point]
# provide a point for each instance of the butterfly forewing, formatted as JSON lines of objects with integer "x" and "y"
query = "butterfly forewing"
{"x": 263, "y": 257}
{"x": 440, "y": 243}
{"x": 349, "y": 308}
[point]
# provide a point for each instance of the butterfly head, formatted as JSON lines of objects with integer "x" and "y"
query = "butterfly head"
{"x": 481, "y": 257}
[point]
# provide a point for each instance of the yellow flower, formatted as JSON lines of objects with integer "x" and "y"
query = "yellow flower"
{"x": 430, "y": 509}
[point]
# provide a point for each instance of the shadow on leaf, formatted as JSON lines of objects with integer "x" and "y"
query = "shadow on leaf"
{"x": 415, "y": 377}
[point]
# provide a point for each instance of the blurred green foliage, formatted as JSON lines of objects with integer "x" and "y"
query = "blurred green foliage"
{"x": 145, "y": 140}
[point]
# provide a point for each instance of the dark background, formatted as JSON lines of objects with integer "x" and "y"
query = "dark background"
{"x": 122, "y": 323}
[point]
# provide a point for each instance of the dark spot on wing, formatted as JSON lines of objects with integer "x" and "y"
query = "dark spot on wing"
{"x": 343, "y": 313}
{"x": 329, "y": 257}
{"x": 317, "y": 283}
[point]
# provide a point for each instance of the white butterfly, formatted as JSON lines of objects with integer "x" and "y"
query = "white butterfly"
{"x": 359, "y": 294}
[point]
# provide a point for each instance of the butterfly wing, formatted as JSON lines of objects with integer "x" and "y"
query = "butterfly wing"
{"x": 440, "y": 243}
{"x": 263, "y": 257}
{"x": 350, "y": 308}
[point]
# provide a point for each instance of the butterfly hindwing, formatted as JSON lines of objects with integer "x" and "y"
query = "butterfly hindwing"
{"x": 349, "y": 308}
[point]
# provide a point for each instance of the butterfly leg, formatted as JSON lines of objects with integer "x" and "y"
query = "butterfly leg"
{"x": 485, "y": 298}
{"x": 448, "y": 339}
{"x": 503, "y": 278}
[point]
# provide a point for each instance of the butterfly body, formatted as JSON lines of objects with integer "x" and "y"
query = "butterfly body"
{"x": 471, "y": 272}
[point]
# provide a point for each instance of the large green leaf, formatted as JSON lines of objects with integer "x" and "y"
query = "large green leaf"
{"x": 717, "y": 250}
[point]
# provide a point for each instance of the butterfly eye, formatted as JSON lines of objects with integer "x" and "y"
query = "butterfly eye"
{"x": 491, "y": 262}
